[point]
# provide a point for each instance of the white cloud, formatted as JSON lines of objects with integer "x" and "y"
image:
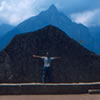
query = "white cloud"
{"x": 15, "y": 11}
{"x": 88, "y": 18}
{"x": 2, "y": 6}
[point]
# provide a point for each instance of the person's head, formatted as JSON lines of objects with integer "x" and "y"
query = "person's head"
{"x": 47, "y": 54}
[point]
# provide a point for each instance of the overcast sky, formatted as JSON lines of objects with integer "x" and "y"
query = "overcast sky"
{"x": 86, "y": 12}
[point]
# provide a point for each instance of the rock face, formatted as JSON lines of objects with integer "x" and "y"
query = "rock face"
{"x": 5, "y": 68}
{"x": 77, "y": 64}
{"x": 53, "y": 17}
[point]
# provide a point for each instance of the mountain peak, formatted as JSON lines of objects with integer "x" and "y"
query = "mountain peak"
{"x": 52, "y": 7}
{"x": 54, "y": 41}
{"x": 51, "y": 27}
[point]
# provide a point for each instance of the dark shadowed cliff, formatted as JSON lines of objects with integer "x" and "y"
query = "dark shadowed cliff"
{"x": 77, "y": 64}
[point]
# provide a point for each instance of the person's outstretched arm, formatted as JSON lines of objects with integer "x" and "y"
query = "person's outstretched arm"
{"x": 35, "y": 56}
{"x": 55, "y": 58}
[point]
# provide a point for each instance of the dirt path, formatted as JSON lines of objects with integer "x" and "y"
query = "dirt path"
{"x": 51, "y": 97}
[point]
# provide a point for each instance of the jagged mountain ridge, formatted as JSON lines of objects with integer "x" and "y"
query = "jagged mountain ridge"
{"x": 77, "y": 64}
{"x": 95, "y": 32}
{"x": 52, "y": 17}
{"x": 4, "y": 28}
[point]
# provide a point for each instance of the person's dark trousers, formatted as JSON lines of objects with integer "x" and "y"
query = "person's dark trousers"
{"x": 45, "y": 74}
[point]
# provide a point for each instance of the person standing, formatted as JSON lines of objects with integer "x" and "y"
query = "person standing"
{"x": 46, "y": 67}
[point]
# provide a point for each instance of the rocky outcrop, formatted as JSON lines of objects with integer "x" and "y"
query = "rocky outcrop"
{"x": 77, "y": 64}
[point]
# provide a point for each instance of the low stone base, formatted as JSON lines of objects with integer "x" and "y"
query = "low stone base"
{"x": 41, "y": 88}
